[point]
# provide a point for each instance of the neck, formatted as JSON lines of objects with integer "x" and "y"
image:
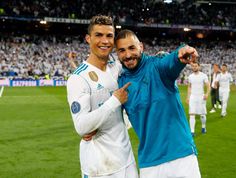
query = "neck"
{"x": 100, "y": 63}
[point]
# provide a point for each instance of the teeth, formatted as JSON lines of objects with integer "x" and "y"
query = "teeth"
{"x": 103, "y": 47}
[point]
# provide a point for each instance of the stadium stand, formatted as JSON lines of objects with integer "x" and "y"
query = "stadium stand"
{"x": 24, "y": 54}
{"x": 23, "y": 57}
{"x": 191, "y": 11}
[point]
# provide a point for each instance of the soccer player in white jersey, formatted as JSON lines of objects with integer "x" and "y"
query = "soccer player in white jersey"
{"x": 223, "y": 80}
{"x": 95, "y": 104}
{"x": 196, "y": 96}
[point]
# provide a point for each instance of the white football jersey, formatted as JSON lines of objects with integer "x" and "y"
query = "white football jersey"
{"x": 197, "y": 82}
{"x": 89, "y": 92}
{"x": 224, "y": 81}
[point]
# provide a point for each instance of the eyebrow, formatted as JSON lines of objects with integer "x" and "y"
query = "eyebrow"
{"x": 131, "y": 46}
{"x": 100, "y": 33}
{"x": 119, "y": 49}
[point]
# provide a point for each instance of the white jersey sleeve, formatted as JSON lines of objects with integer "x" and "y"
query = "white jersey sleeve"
{"x": 85, "y": 120}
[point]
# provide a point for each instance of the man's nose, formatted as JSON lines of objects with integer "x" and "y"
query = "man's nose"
{"x": 104, "y": 39}
{"x": 128, "y": 54}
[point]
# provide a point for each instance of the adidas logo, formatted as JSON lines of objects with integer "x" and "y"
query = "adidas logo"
{"x": 99, "y": 87}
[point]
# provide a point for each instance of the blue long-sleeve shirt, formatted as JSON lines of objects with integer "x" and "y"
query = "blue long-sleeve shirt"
{"x": 155, "y": 110}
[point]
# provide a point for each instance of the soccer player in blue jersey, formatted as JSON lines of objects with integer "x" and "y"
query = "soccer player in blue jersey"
{"x": 155, "y": 110}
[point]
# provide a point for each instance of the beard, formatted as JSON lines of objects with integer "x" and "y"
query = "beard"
{"x": 134, "y": 58}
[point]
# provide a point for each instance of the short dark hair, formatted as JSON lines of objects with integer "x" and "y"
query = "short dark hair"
{"x": 224, "y": 65}
{"x": 196, "y": 62}
{"x": 100, "y": 20}
{"x": 124, "y": 33}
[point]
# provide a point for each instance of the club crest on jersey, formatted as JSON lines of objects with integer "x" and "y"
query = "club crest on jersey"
{"x": 93, "y": 76}
{"x": 75, "y": 107}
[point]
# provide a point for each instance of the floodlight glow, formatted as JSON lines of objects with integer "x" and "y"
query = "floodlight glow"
{"x": 43, "y": 22}
{"x": 187, "y": 29}
{"x": 167, "y": 1}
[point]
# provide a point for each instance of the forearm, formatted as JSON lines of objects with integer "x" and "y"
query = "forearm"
{"x": 170, "y": 66}
{"x": 86, "y": 113}
{"x": 86, "y": 122}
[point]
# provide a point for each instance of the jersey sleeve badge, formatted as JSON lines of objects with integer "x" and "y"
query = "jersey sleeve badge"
{"x": 75, "y": 107}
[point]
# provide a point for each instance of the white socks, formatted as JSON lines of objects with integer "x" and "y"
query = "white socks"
{"x": 203, "y": 119}
{"x": 192, "y": 123}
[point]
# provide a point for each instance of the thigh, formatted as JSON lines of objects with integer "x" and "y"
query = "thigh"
{"x": 225, "y": 96}
{"x": 192, "y": 105}
{"x": 221, "y": 93}
{"x": 197, "y": 105}
{"x": 186, "y": 167}
{"x": 213, "y": 92}
{"x": 128, "y": 172}
{"x": 131, "y": 171}
{"x": 202, "y": 107}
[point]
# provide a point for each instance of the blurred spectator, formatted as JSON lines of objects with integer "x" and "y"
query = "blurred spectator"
{"x": 37, "y": 56}
{"x": 132, "y": 12}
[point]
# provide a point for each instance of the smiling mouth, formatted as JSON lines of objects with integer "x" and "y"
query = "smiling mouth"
{"x": 128, "y": 59}
{"x": 104, "y": 47}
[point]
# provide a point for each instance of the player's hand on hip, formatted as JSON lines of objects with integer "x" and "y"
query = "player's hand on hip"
{"x": 188, "y": 54}
{"x": 205, "y": 96}
{"x": 121, "y": 94}
{"x": 187, "y": 100}
{"x": 89, "y": 136}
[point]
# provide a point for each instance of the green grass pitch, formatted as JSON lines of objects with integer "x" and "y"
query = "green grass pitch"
{"x": 38, "y": 139}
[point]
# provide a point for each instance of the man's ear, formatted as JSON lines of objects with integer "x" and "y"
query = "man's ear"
{"x": 141, "y": 46}
{"x": 87, "y": 38}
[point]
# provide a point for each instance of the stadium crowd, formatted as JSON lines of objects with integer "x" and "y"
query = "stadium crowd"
{"x": 32, "y": 57}
{"x": 187, "y": 12}
{"x": 20, "y": 58}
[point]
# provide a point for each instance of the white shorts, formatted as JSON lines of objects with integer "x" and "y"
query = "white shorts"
{"x": 197, "y": 105}
{"x": 128, "y": 172}
{"x": 186, "y": 167}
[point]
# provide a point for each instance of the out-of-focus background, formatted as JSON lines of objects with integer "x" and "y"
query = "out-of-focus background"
{"x": 37, "y": 137}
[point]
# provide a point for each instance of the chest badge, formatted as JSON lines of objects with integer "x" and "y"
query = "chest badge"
{"x": 93, "y": 76}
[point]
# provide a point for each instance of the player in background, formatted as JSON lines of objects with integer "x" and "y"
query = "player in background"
{"x": 71, "y": 59}
{"x": 223, "y": 81}
{"x": 155, "y": 111}
{"x": 95, "y": 104}
{"x": 196, "y": 97}
{"x": 215, "y": 89}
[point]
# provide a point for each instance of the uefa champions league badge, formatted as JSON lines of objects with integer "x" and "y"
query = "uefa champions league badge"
{"x": 75, "y": 107}
{"x": 93, "y": 76}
